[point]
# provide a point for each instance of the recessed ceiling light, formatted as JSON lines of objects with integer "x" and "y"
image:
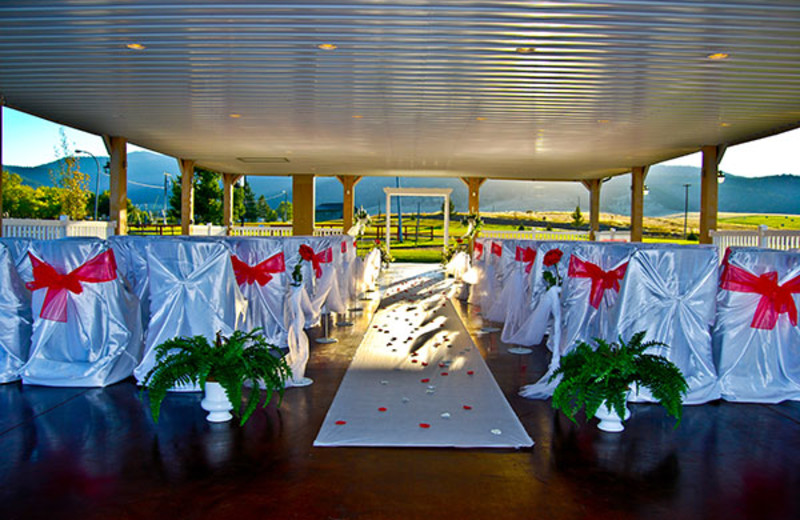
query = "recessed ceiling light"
{"x": 526, "y": 50}
{"x": 326, "y": 46}
{"x": 136, "y": 46}
{"x": 480, "y": 119}
{"x": 235, "y": 116}
{"x": 603, "y": 121}
{"x": 356, "y": 116}
{"x": 724, "y": 125}
{"x": 718, "y": 56}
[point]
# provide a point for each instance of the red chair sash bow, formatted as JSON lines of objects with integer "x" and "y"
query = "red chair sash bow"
{"x": 260, "y": 273}
{"x": 775, "y": 299}
{"x": 601, "y": 280}
{"x": 478, "y": 250}
{"x": 308, "y": 254}
{"x": 527, "y": 255}
{"x": 497, "y": 249}
{"x": 101, "y": 268}
{"x": 344, "y": 246}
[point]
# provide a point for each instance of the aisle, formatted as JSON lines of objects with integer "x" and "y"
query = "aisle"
{"x": 417, "y": 379}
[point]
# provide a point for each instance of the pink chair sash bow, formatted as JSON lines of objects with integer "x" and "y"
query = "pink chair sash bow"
{"x": 478, "y": 250}
{"x": 497, "y": 249}
{"x": 527, "y": 255}
{"x": 601, "y": 280}
{"x": 308, "y": 254}
{"x": 775, "y": 299}
{"x": 260, "y": 273}
{"x": 101, "y": 268}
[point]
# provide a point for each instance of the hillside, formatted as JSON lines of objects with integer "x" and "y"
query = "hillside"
{"x": 776, "y": 194}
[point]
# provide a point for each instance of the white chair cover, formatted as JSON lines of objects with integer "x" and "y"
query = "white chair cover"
{"x": 336, "y": 301}
{"x": 476, "y": 276}
{"x": 347, "y": 288}
{"x": 533, "y": 309}
{"x": 370, "y": 269}
{"x": 131, "y": 255}
{"x": 670, "y": 292}
{"x": 15, "y": 318}
{"x": 86, "y": 325}
{"x": 259, "y": 265}
{"x": 584, "y": 305}
{"x": 458, "y": 266}
{"x": 318, "y": 274}
{"x": 193, "y": 292}
{"x": 18, "y": 247}
{"x": 757, "y": 338}
{"x": 498, "y": 293}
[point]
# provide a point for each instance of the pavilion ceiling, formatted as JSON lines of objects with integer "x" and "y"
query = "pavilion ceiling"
{"x": 506, "y": 89}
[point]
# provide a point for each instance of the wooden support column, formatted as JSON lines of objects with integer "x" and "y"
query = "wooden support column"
{"x": 712, "y": 155}
{"x": 302, "y": 205}
{"x": 348, "y": 199}
{"x": 118, "y": 196}
{"x": 593, "y": 186}
{"x": 187, "y": 195}
{"x": 474, "y": 189}
{"x": 638, "y": 174}
{"x": 228, "y": 180}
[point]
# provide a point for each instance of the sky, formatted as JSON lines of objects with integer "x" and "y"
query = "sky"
{"x": 30, "y": 141}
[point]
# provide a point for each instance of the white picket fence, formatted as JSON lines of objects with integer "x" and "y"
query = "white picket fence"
{"x": 762, "y": 237}
{"x": 257, "y": 231}
{"x": 535, "y": 234}
{"x": 51, "y": 229}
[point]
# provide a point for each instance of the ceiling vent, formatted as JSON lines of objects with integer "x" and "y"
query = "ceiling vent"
{"x": 263, "y": 160}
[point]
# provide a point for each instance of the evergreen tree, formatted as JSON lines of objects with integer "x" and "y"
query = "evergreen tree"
{"x": 264, "y": 211}
{"x": 250, "y": 208}
{"x": 207, "y": 198}
{"x": 577, "y": 217}
{"x": 285, "y": 210}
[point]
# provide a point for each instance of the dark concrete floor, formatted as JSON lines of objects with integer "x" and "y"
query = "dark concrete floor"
{"x": 96, "y": 454}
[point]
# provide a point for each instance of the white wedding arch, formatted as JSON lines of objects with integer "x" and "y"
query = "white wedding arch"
{"x": 417, "y": 192}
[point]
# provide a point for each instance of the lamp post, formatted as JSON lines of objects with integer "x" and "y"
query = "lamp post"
{"x": 96, "y": 181}
{"x": 685, "y": 209}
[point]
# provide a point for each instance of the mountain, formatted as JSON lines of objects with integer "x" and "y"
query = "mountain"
{"x": 775, "y": 194}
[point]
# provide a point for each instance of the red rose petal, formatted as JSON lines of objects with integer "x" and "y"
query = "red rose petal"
{"x": 426, "y": 380}
{"x": 444, "y": 373}
{"x": 470, "y": 372}
{"x": 467, "y": 407}
{"x": 424, "y": 425}
{"x": 424, "y": 364}
{"x": 441, "y": 365}
{"x": 341, "y": 422}
{"x": 382, "y": 409}
{"x": 413, "y": 360}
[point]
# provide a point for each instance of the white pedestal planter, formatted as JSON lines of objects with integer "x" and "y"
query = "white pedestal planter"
{"x": 610, "y": 421}
{"x": 216, "y": 403}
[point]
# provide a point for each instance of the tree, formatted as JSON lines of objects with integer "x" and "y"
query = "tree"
{"x": 207, "y": 198}
{"x": 264, "y": 211}
{"x": 452, "y": 207}
{"x": 74, "y": 183}
{"x": 250, "y": 207}
{"x": 19, "y": 200}
{"x": 577, "y": 217}
{"x": 135, "y": 215}
{"x": 285, "y": 210}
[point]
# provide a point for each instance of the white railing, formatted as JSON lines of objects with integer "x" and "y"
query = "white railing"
{"x": 612, "y": 235}
{"x": 326, "y": 232}
{"x": 51, "y": 229}
{"x": 261, "y": 231}
{"x": 207, "y": 230}
{"x": 762, "y": 237}
{"x": 536, "y": 234}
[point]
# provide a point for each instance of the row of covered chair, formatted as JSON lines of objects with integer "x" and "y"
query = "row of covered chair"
{"x": 731, "y": 328}
{"x": 89, "y": 312}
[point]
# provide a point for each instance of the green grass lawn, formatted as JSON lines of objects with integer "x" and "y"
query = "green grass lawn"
{"x": 771, "y": 221}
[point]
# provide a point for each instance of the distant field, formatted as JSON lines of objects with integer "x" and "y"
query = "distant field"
{"x": 771, "y": 221}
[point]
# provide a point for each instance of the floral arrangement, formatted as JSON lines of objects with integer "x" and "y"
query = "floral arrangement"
{"x": 362, "y": 220}
{"x": 386, "y": 258}
{"x": 473, "y": 222}
{"x": 551, "y": 275}
{"x": 462, "y": 244}
{"x": 297, "y": 274}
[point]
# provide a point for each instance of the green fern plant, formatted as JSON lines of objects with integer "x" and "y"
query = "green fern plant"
{"x": 231, "y": 361}
{"x": 590, "y": 376}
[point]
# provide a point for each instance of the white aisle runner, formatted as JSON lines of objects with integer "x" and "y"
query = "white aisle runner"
{"x": 417, "y": 379}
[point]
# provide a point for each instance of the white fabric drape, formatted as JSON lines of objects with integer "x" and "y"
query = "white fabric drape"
{"x": 670, "y": 292}
{"x": 193, "y": 292}
{"x": 758, "y": 364}
{"x": 15, "y": 317}
{"x": 100, "y": 341}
